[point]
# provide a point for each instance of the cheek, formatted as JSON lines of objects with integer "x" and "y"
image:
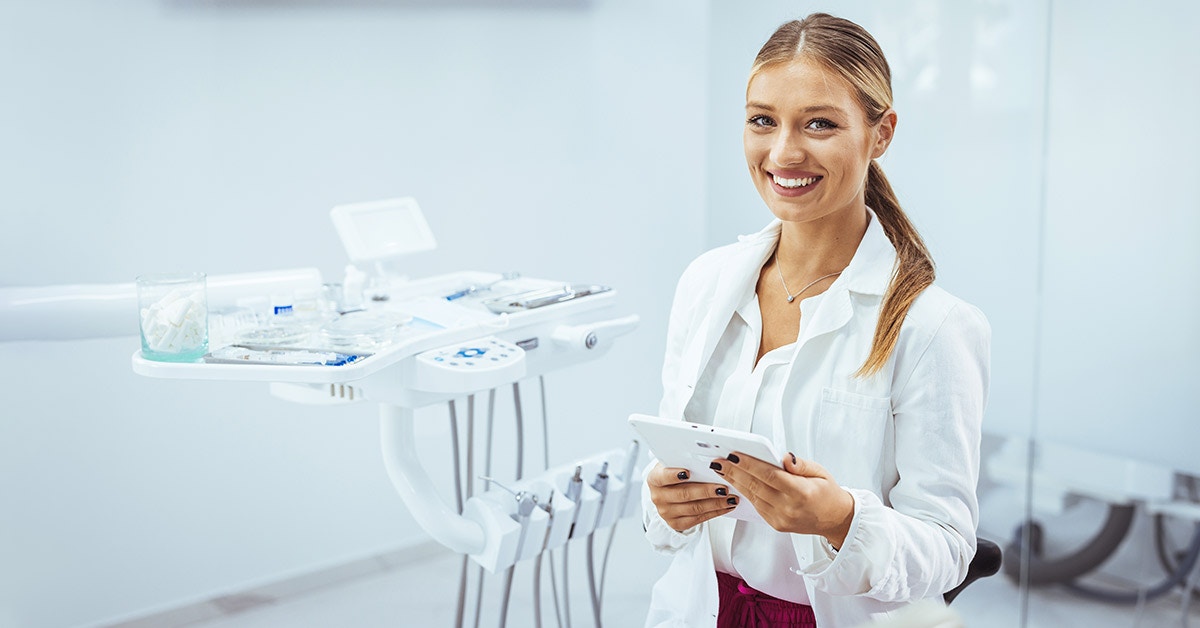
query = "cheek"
{"x": 750, "y": 146}
{"x": 756, "y": 149}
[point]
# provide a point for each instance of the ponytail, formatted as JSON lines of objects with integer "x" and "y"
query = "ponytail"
{"x": 912, "y": 273}
{"x": 849, "y": 51}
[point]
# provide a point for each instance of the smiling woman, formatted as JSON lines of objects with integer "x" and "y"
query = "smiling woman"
{"x": 874, "y": 382}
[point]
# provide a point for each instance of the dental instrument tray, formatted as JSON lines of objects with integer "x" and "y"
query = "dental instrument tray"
{"x": 289, "y": 356}
{"x": 525, "y": 311}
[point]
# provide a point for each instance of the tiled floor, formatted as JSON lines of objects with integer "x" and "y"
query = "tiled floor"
{"x": 423, "y": 594}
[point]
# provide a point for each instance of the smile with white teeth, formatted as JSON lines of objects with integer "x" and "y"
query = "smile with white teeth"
{"x": 794, "y": 183}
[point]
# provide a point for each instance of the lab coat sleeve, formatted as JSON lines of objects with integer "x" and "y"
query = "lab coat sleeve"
{"x": 662, "y": 537}
{"x": 920, "y": 543}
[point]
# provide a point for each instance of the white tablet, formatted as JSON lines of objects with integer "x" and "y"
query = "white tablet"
{"x": 693, "y": 446}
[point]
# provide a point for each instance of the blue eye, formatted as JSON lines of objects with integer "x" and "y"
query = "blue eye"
{"x": 760, "y": 121}
{"x": 821, "y": 124}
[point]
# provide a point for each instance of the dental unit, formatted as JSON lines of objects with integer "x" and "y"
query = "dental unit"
{"x": 403, "y": 344}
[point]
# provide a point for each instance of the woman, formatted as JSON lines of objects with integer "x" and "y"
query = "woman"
{"x": 824, "y": 333}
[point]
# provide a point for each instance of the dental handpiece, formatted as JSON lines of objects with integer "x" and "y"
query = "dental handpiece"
{"x": 601, "y": 486}
{"x": 526, "y": 502}
{"x": 549, "y": 508}
{"x": 574, "y": 490}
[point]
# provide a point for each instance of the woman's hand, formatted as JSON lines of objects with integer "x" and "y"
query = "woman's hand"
{"x": 683, "y": 504}
{"x": 801, "y": 497}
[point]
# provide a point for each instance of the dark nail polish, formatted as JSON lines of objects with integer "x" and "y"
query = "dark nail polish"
{"x": 722, "y": 492}
{"x": 682, "y": 475}
{"x": 715, "y": 466}
{"x": 732, "y": 501}
{"x": 793, "y": 457}
{"x": 733, "y": 458}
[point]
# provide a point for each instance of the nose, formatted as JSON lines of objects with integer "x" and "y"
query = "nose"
{"x": 788, "y": 147}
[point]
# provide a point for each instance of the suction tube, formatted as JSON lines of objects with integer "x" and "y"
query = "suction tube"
{"x": 1065, "y": 569}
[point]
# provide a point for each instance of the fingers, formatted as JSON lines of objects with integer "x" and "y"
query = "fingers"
{"x": 687, "y": 492}
{"x": 667, "y": 476}
{"x": 683, "y": 503}
{"x": 683, "y": 515}
{"x": 754, "y": 478}
{"x": 802, "y": 467}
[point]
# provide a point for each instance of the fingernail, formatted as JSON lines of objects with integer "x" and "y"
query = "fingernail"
{"x": 715, "y": 466}
{"x": 722, "y": 492}
{"x": 793, "y": 457}
{"x": 733, "y": 458}
{"x": 683, "y": 474}
{"x": 732, "y": 501}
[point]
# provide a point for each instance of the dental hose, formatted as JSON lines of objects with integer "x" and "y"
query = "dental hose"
{"x": 630, "y": 462}
{"x": 574, "y": 491}
{"x": 591, "y": 572}
{"x": 508, "y": 580}
{"x": 487, "y": 465}
{"x": 460, "y": 607}
{"x": 526, "y": 502}
{"x": 516, "y": 388}
{"x": 537, "y": 566}
{"x": 537, "y": 569}
{"x": 470, "y": 489}
{"x": 524, "y": 512}
{"x": 601, "y": 486}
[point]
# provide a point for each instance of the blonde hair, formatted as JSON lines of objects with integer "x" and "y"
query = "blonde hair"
{"x": 848, "y": 50}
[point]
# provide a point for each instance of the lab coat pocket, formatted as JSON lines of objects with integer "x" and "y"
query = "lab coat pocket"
{"x": 849, "y": 437}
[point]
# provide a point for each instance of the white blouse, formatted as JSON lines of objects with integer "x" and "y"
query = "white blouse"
{"x": 732, "y": 384}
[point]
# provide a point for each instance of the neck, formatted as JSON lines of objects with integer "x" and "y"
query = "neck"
{"x": 811, "y": 249}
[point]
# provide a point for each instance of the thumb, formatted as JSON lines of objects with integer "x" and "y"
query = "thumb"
{"x": 802, "y": 467}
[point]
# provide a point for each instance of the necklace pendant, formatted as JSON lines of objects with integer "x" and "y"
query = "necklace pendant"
{"x": 791, "y": 298}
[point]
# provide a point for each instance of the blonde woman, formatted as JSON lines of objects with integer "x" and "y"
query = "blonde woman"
{"x": 825, "y": 333}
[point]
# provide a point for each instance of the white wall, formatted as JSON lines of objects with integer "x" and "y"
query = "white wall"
{"x": 561, "y": 140}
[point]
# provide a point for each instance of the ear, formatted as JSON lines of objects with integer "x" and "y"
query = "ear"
{"x": 884, "y": 131}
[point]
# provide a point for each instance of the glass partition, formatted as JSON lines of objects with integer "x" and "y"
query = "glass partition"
{"x": 1047, "y": 151}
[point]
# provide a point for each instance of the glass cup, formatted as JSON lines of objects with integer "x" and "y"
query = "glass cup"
{"x": 174, "y": 316}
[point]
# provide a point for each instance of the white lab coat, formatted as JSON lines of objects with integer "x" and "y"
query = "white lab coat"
{"x": 904, "y": 442}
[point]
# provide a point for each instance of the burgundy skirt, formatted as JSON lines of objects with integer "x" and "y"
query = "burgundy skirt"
{"x": 743, "y": 607}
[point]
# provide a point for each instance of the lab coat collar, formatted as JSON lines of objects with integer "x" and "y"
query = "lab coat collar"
{"x": 869, "y": 272}
{"x": 871, "y": 269}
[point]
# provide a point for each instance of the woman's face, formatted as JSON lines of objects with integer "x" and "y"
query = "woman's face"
{"x": 808, "y": 142}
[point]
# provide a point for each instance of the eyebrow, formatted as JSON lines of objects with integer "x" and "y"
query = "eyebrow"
{"x": 809, "y": 109}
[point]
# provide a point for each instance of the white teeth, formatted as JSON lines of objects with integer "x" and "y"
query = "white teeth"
{"x": 794, "y": 183}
